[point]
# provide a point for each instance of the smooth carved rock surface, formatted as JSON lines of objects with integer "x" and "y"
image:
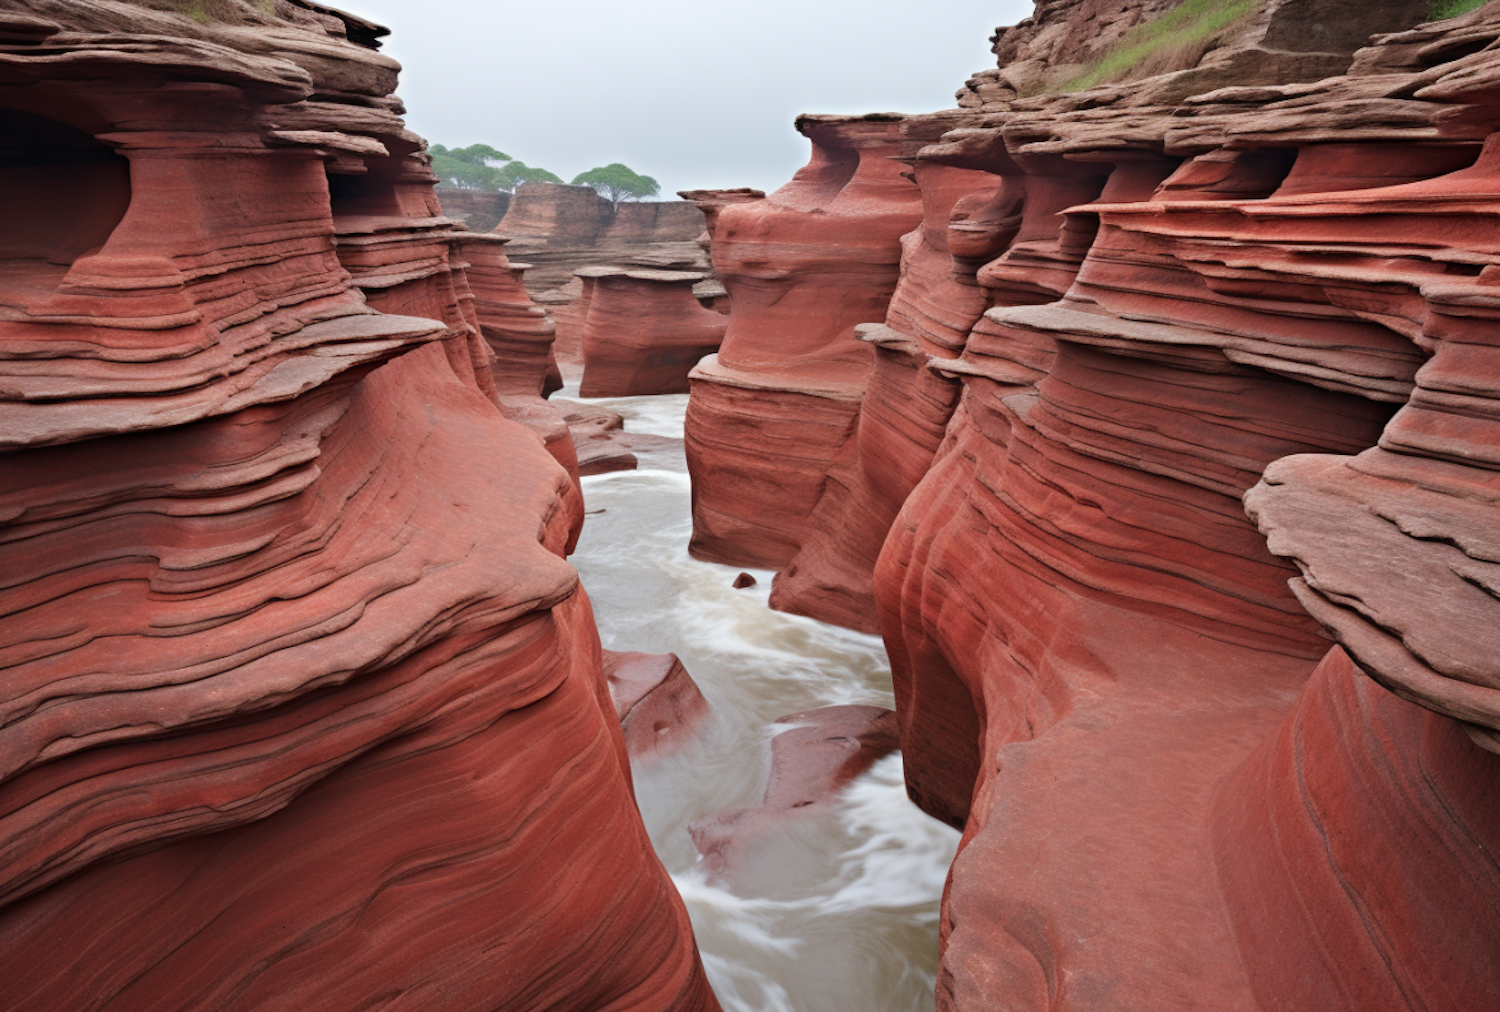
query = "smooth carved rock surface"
{"x": 803, "y": 267}
{"x": 659, "y": 704}
{"x": 1173, "y": 795}
{"x": 643, "y": 331}
{"x": 302, "y": 702}
{"x": 559, "y": 230}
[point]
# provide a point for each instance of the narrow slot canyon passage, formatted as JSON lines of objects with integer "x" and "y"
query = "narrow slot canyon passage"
{"x": 1107, "y": 466}
{"x": 836, "y": 909}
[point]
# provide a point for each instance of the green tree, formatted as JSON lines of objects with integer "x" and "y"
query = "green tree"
{"x": 517, "y": 174}
{"x": 480, "y": 154}
{"x": 618, "y": 182}
{"x": 468, "y": 168}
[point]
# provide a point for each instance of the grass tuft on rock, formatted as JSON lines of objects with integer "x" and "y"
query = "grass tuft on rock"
{"x": 1176, "y": 40}
{"x": 1443, "y": 9}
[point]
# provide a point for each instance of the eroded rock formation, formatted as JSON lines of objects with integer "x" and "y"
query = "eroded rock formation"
{"x": 658, "y": 702}
{"x": 643, "y": 331}
{"x": 803, "y": 267}
{"x": 479, "y": 210}
{"x": 1125, "y": 309}
{"x": 560, "y": 229}
{"x": 302, "y": 703}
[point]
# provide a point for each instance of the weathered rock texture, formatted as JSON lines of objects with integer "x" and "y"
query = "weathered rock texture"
{"x": 479, "y": 210}
{"x": 560, "y": 229}
{"x": 302, "y": 706}
{"x": 778, "y": 403}
{"x": 1177, "y": 386}
{"x": 1232, "y": 42}
{"x": 643, "y": 331}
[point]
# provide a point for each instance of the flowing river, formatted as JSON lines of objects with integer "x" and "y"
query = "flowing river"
{"x": 838, "y": 909}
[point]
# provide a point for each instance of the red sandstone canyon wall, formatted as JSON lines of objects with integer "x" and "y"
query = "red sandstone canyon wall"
{"x": 1177, "y": 384}
{"x": 303, "y": 705}
{"x": 479, "y": 210}
{"x": 643, "y": 331}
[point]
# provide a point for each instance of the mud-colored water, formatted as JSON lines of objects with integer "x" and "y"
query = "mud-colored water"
{"x": 837, "y": 911}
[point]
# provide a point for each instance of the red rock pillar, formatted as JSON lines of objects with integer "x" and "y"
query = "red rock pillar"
{"x": 803, "y": 267}
{"x": 643, "y": 331}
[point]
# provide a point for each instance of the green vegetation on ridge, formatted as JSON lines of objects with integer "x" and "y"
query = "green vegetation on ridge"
{"x": 1442, "y": 9}
{"x": 481, "y": 167}
{"x": 1176, "y": 40}
{"x": 474, "y": 168}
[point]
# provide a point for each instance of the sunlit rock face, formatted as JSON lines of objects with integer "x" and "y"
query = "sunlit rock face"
{"x": 301, "y": 701}
{"x": 1112, "y": 663}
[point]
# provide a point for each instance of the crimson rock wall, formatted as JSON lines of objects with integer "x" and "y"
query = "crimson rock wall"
{"x": 301, "y": 702}
{"x": 1188, "y": 386}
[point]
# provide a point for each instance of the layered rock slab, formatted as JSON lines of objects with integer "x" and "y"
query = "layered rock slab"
{"x": 810, "y": 765}
{"x": 1173, "y": 795}
{"x": 659, "y": 704}
{"x": 560, "y": 230}
{"x": 643, "y": 331}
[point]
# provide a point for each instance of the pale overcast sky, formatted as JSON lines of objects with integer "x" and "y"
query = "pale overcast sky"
{"x": 692, "y": 92}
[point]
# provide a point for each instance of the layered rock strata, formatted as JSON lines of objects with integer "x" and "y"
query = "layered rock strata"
{"x": 643, "y": 331}
{"x": 479, "y": 210}
{"x": 302, "y": 702}
{"x": 1112, "y": 664}
{"x": 1093, "y": 644}
{"x": 603, "y": 445}
{"x": 778, "y": 403}
{"x": 561, "y": 229}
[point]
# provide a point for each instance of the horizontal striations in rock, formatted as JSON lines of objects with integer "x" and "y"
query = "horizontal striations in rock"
{"x": 561, "y": 229}
{"x": 770, "y": 413}
{"x": 993, "y": 234}
{"x": 643, "y": 331}
{"x": 967, "y": 215}
{"x": 409, "y": 909}
{"x": 302, "y": 702}
{"x": 479, "y": 210}
{"x": 1173, "y": 795}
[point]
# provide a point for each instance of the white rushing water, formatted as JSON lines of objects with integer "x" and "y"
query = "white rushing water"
{"x": 837, "y": 910}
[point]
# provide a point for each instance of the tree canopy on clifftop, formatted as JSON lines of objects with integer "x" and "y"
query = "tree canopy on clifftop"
{"x": 475, "y": 168}
{"x": 519, "y": 173}
{"x": 467, "y": 168}
{"x": 618, "y": 182}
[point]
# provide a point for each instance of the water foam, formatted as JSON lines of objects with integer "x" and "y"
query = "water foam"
{"x": 839, "y": 909}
